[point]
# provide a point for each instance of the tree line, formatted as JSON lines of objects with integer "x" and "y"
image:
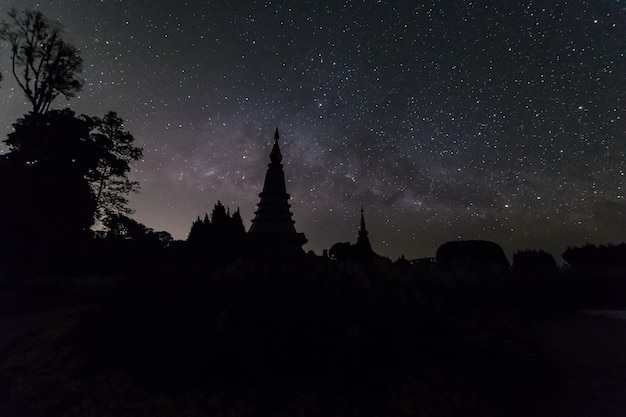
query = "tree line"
{"x": 65, "y": 176}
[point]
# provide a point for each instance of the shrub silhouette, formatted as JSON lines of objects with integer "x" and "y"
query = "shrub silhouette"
{"x": 596, "y": 257}
{"x": 534, "y": 262}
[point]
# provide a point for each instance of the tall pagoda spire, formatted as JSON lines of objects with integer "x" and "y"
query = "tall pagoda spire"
{"x": 273, "y": 230}
{"x": 275, "y": 155}
{"x": 362, "y": 230}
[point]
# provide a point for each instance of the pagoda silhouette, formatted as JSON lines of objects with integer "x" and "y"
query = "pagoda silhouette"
{"x": 273, "y": 232}
{"x": 363, "y": 245}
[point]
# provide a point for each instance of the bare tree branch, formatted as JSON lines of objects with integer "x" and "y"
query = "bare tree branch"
{"x": 43, "y": 64}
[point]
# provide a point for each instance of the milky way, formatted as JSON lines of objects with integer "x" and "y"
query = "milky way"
{"x": 495, "y": 120}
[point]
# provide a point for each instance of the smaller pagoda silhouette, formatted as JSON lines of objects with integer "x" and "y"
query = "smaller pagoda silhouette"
{"x": 362, "y": 249}
{"x": 363, "y": 244}
{"x": 273, "y": 232}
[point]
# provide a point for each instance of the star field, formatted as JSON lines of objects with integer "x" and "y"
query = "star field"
{"x": 490, "y": 120}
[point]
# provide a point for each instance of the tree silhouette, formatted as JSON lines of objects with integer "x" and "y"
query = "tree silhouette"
{"x": 109, "y": 179}
{"x": 128, "y": 246}
{"x": 47, "y": 204}
{"x": 200, "y": 231}
{"x": 43, "y": 64}
{"x": 99, "y": 151}
{"x": 121, "y": 227}
{"x": 222, "y": 236}
{"x": 596, "y": 257}
{"x": 63, "y": 172}
{"x": 346, "y": 252}
{"x": 533, "y": 261}
{"x": 56, "y": 137}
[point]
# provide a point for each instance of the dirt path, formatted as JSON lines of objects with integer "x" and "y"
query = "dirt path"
{"x": 14, "y": 328}
{"x": 16, "y": 323}
{"x": 18, "y": 326}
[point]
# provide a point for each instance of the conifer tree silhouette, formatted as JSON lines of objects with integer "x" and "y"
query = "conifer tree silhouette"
{"x": 222, "y": 236}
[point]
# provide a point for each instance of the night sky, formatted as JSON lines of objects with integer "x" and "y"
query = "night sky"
{"x": 445, "y": 120}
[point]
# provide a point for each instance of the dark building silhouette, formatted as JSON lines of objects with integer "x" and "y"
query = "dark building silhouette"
{"x": 472, "y": 259}
{"x": 273, "y": 231}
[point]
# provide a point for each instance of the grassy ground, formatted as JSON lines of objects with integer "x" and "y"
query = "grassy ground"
{"x": 588, "y": 353}
{"x": 51, "y": 366}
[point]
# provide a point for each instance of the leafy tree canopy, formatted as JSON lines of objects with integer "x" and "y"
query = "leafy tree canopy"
{"x": 45, "y": 197}
{"x": 75, "y": 165}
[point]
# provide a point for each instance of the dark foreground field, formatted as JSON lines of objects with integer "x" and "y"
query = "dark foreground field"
{"x": 588, "y": 352}
{"x": 69, "y": 353}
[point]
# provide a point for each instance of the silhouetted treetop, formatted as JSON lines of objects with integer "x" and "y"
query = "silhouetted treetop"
{"x": 43, "y": 64}
{"x": 109, "y": 179}
{"x": 533, "y": 261}
{"x": 591, "y": 256}
{"x": 121, "y": 227}
{"x": 61, "y": 170}
{"x": 222, "y": 235}
{"x": 359, "y": 252}
{"x": 45, "y": 196}
{"x": 341, "y": 251}
{"x": 58, "y": 137}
